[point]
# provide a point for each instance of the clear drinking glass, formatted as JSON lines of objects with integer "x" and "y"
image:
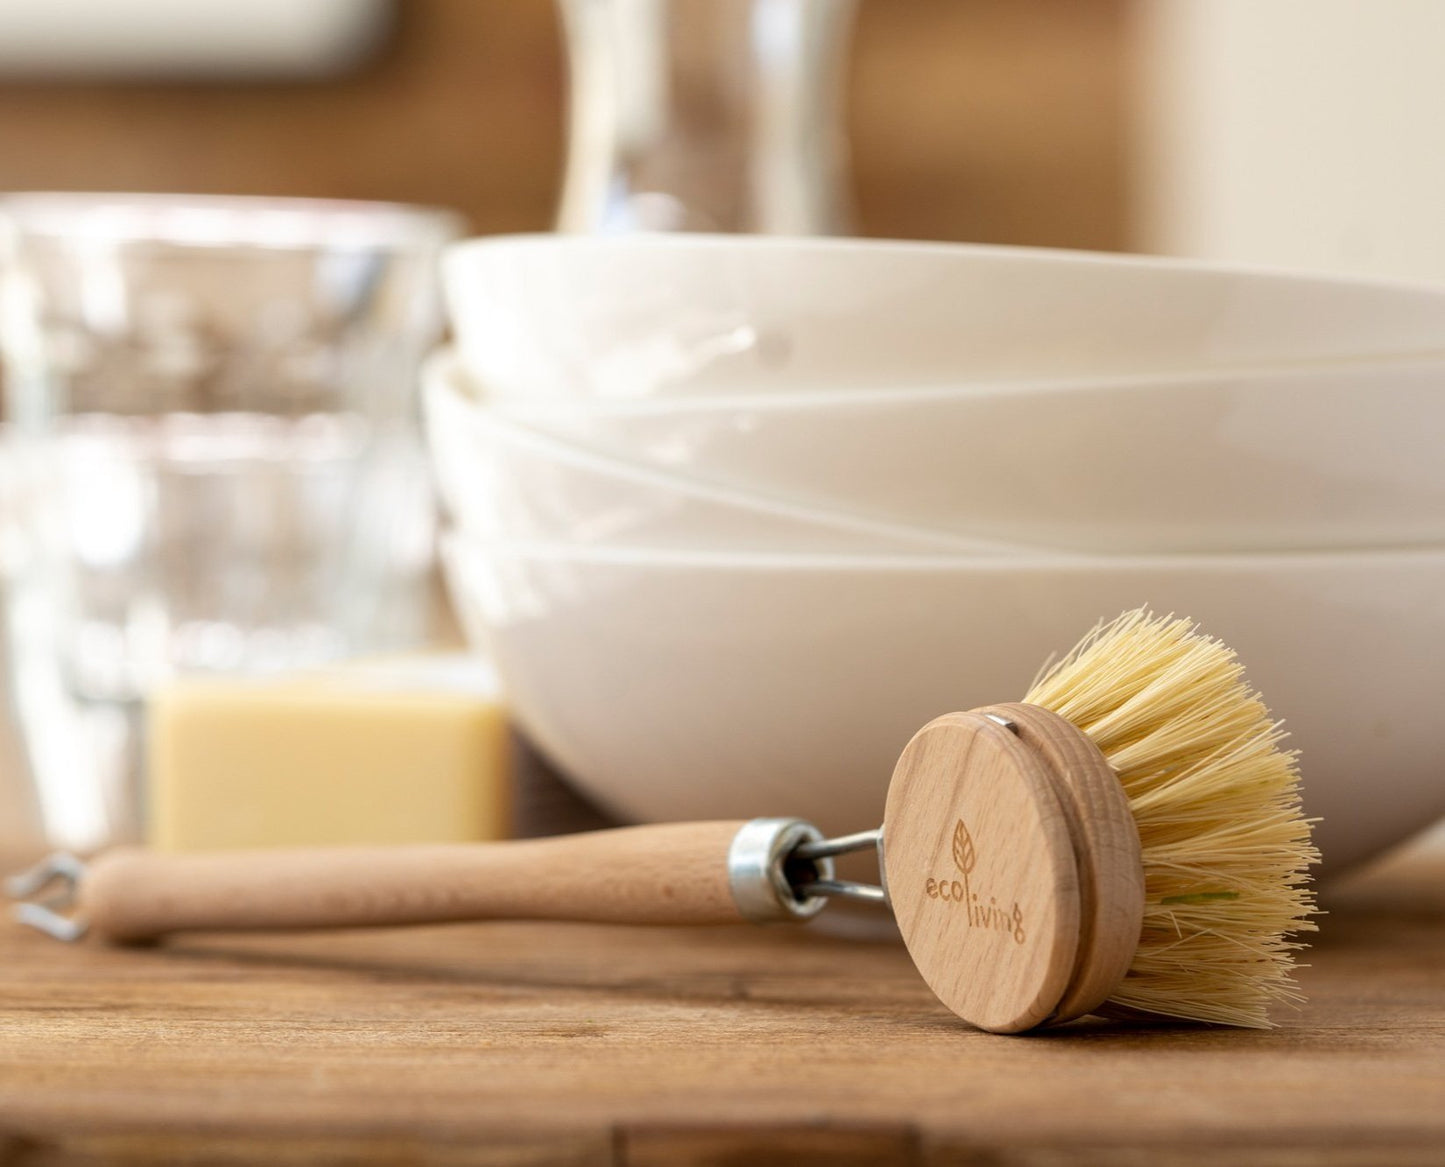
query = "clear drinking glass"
{"x": 723, "y": 115}
{"x": 216, "y": 462}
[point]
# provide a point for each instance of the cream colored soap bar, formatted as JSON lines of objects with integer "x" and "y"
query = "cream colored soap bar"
{"x": 407, "y": 750}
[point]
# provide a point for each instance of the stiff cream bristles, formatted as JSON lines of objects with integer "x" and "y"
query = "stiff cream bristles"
{"x": 1216, "y": 801}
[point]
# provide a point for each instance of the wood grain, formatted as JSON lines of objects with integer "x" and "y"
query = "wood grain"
{"x": 590, "y": 1045}
{"x": 982, "y": 873}
{"x": 669, "y": 873}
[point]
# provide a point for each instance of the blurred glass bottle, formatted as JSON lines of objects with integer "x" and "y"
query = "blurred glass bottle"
{"x": 719, "y": 115}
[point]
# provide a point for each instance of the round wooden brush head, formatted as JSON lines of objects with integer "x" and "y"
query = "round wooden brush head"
{"x": 1013, "y": 866}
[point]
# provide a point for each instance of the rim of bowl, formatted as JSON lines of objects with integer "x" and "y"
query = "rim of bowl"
{"x": 458, "y": 252}
{"x": 214, "y": 220}
{"x": 526, "y": 406}
{"x": 438, "y": 381}
{"x": 725, "y": 560}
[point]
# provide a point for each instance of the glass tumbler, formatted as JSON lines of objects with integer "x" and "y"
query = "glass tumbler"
{"x": 215, "y": 461}
{"x": 718, "y": 116}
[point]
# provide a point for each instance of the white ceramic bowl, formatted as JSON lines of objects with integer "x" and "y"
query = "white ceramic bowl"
{"x": 500, "y": 479}
{"x": 690, "y": 686}
{"x": 1326, "y": 457}
{"x": 641, "y": 316}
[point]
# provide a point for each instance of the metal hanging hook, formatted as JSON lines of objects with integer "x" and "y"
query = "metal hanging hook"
{"x": 48, "y": 893}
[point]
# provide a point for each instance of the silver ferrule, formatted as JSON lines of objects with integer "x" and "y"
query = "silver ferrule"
{"x": 757, "y": 871}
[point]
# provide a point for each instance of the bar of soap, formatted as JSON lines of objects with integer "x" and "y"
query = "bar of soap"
{"x": 403, "y": 750}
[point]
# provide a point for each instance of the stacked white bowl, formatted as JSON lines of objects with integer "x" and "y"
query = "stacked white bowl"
{"x": 736, "y": 515}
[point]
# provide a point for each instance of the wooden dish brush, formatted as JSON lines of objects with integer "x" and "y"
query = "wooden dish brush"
{"x": 1128, "y": 839}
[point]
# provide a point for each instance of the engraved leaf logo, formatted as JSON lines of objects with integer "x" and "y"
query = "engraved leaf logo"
{"x": 963, "y": 854}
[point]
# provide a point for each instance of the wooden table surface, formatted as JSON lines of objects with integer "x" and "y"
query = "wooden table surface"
{"x": 593, "y": 1045}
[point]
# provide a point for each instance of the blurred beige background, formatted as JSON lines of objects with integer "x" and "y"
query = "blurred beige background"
{"x": 971, "y": 119}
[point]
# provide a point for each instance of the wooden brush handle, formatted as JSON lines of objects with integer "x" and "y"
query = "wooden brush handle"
{"x": 675, "y": 873}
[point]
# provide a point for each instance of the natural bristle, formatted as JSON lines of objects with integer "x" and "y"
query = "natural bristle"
{"x": 1216, "y": 800}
